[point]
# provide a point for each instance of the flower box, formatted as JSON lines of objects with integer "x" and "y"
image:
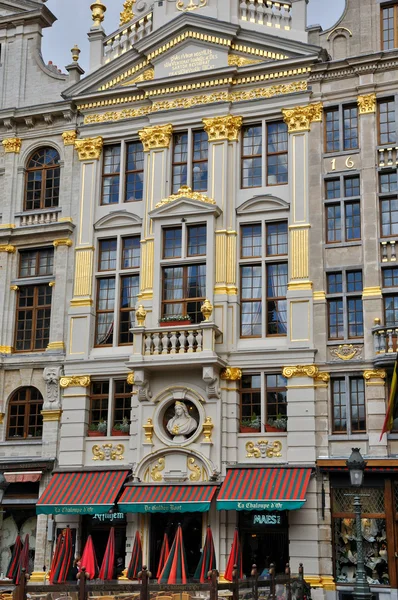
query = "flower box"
{"x": 118, "y": 432}
{"x": 247, "y": 429}
{"x": 95, "y": 434}
{"x": 271, "y": 429}
{"x": 174, "y": 323}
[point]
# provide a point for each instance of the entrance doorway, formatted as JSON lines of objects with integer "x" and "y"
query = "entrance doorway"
{"x": 191, "y": 524}
{"x": 98, "y": 526}
{"x": 265, "y": 540}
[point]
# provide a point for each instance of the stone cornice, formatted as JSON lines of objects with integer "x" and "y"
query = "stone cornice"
{"x": 354, "y": 66}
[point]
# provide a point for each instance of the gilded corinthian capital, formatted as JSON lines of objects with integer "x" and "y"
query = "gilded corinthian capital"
{"x": 223, "y": 128}
{"x": 158, "y": 136}
{"x": 69, "y": 138}
{"x": 367, "y": 104}
{"x": 75, "y": 381}
{"x": 231, "y": 374}
{"x": 301, "y": 117}
{"x": 12, "y": 145}
{"x": 89, "y": 148}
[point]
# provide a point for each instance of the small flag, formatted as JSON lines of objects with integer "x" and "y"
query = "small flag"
{"x": 388, "y": 421}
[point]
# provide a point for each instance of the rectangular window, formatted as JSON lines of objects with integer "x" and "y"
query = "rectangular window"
{"x": 252, "y": 153}
{"x": 117, "y": 294}
{"x": 389, "y": 216}
{"x": 121, "y": 406}
{"x": 343, "y": 218}
{"x": 257, "y": 416}
{"x": 110, "y": 408}
{"x": 390, "y": 300}
{"x": 348, "y": 405}
{"x": 387, "y": 128}
{"x": 277, "y": 157}
{"x": 134, "y": 172}
{"x": 341, "y": 128}
{"x": 266, "y": 279}
{"x": 200, "y": 161}
{"x": 172, "y": 242}
{"x": 33, "y": 316}
{"x": 111, "y": 175}
{"x": 389, "y": 27}
{"x": 345, "y": 310}
{"x": 184, "y": 291}
{"x": 196, "y": 240}
{"x": 99, "y": 401}
{"x": 36, "y": 263}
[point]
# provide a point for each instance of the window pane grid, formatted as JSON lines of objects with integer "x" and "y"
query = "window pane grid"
{"x": 36, "y": 263}
{"x": 276, "y": 299}
{"x": 251, "y": 296}
{"x": 172, "y": 242}
{"x": 105, "y": 311}
{"x": 250, "y": 403}
{"x": 277, "y": 238}
{"x": 42, "y": 180}
{"x": 129, "y": 290}
{"x": 24, "y": 418}
{"x": 131, "y": 252}
{"x": 111, "y": 175}
{"x": 339, "y": 402}
{"x": 350, "y": 127}
{"x": 121, "y": 402}
{"x": 332, "y": 130}
{"x": 196, "y": 240}
{"x": 387, "y": 127}
{"x": 199, "y": 160}
{"x": 277, "y": 157}
{"x": 99, "y": 400}
{"x": 134, "y": 172}
{"x": 180, "y": 161}
{"x": 252, "y": 150}
{"x": 388, "y": 33}
{"x": 33, "y": 317}
{"x": 389, "y": 217}
{"x": 276, "y": 399}
{"x": 184, "y": 290}
{"x": 357, "y": 402}
{"x": 107, "y": 255}
{"x": 345, "y": 314}
{"x": 250, "y": 241}
{"x": 333, "y": 223}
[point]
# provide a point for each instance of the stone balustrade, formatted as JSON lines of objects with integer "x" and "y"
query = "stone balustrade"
{"x": 266, "y": 12}
{"x": 38, "y": 217}
{"x": 385, "y": 340}
{"x": 387, "y": 156}
{"x": 388, "y": 250}
{"x": 125, "y": 39}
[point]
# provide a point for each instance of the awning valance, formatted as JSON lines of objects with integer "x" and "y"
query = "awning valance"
{"x": 82, "y": 493}
{"x": 264, "y": 489}
{"x": 166, "y": 498}
{"x": 22, "y": 476}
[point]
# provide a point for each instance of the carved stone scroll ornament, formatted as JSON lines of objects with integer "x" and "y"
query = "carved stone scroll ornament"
{"x": 108, "y": 452}
{"x": 52, "y": 376}
{"x": 142, "y": 386}
{"x": 264, "y": 449}
{"x": 156, "y": 470}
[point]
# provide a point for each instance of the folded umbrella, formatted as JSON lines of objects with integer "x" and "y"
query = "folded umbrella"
{"x": 89, "y": 559}
{"x": 135, "y": 565}
{"x": 108, "y": 562}
{"x": 164, "y": 553}
{"x": 235, "y": 558}
{"x": 63, "y": 557}
{"x": 175, "y": 570}
{"x": 23, "y": 561}
{"x": 207, "y": 560}
{"x": 14, "y": 561}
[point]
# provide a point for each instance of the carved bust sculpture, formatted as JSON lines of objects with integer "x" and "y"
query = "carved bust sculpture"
{"x": 182, "y": 424}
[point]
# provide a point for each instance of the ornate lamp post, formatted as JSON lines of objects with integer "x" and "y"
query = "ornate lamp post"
{"x": 356, "y": 467}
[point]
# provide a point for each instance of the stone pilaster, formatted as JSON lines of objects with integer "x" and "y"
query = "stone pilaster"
{"x": 59, "y": 293}
{"x": 375, "y": 394}
{"x": 75, "y": 415}
{"x": 7, "y": 264}
{"x": 229, "y": 388}
{"x": 12, "y": 148}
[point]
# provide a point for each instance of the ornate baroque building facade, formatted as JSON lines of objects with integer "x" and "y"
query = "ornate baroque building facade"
{"x": 198, "y": 283}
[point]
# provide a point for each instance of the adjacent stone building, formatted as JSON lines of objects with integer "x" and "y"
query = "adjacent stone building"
{"x": 198, "y": 301}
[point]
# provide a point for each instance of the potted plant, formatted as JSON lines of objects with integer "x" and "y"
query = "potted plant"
{"x": 102, "y": 427}
{"x": 175, "y": 320}
{"x": 251, "y": 425}
{"x": 122, "y": 428}
{"x": 277, "y": 424}
{"x": 97, "y": 429}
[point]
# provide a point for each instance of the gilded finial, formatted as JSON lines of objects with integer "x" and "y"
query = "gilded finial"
{"x": 98, "y": 10}
{"x": 207, "y": 309}
{"x": 75, "y": 53}
{"x": 140, "y": 315}
{"x": 127, "y": 14}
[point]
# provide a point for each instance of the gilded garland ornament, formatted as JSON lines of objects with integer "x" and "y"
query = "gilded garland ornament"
{"x": 301, "y": 117}
{"x": 158, "y": 136}
{"x": 127, "y": 13}
{"x": 186, "y": 192}
{"x": 189, "y": 5}
{"x": 231, "y": 374}
{"x": 89, "y": 148}
{"x": 223, "y": 128}
{"x": 367, "y": 104}
{"x": 12, "y": 145}
{"x": 108, "y": 452}
{"x": 75, "y": 381}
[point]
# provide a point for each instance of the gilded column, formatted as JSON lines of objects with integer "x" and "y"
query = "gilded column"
{"x": 299, "y": 121}
{"x": 89, "y": 151}
{"x": 156, "y": 141}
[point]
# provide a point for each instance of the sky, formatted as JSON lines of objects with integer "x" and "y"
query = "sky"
{"x": 74, "y": 21}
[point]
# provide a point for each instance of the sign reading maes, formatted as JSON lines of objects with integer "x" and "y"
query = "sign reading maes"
{"x": 266, "y": 519}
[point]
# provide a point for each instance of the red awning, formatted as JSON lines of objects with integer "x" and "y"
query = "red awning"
{"x": 264, "y": 489}
{"x": 84, "y": 493}
{"x": 23, "y": 476}
{"x": 166, "y": 498}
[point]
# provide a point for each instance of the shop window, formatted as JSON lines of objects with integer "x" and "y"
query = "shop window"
{"x": 387, "y": 127}
{"x": 348, "y": 405}
{"x": 374, "y": 535}
{"x": 110, "y": 408}
{"x": 24, "y": 414}
{"x": 263, "y": 279}
{"x": 184, "y": 286}
{"x": 265, "y": 541}
{"x": 345, "y": 309}
{"x": 257, "y": 416}
{"x": 343, "y": 209}
{"x": 42, "y": 180}
{"x": 117, "y": 292}
{"x": 388, "y": 18}
{"x": 190, "y": 160}
{"x": 276, "y": 159}
{"x": 341, "y": 128}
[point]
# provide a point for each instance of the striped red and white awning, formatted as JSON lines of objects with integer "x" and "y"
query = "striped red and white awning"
{"x": 83, "y": 493}
{"x": 167, "y": 498}
{"x": 264, "y": 489}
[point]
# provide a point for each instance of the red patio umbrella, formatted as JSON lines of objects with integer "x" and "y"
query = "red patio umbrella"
{"x": 164, "y": 553}
{"x": 175, "y": 569}
{"x": 89, "y": 559}
{"x": 62, "y": 559}
{"x": 23, "y": 561}
{"x": 14, "y": 562}
{"x": 108, "y": 562}
{"x": 135, "y": 565}
{"x": 235, "y": 558}
{"x": 207, "y": 560}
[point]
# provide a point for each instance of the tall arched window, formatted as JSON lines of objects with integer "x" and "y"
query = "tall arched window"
{"x": 42, "y": 179}
{"x": 24, "y": 414}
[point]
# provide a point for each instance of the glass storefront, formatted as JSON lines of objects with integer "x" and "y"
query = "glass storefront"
{"x": 265, "y": 540}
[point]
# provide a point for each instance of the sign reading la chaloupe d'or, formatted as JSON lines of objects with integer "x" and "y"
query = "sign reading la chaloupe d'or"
{"x": 191, "y": 58}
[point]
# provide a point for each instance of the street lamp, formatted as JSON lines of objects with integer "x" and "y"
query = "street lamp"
{"x": 356, "y": 467}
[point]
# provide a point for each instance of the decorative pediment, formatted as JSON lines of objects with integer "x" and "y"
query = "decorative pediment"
{"x": 119, "y": 218}
{"x": 191, "y": 57}
{"x": 185, "y": 202}
{"x": 262, "y": 204}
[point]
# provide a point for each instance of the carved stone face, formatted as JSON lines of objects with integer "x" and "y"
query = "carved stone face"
{"x": 262, "y": 446}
